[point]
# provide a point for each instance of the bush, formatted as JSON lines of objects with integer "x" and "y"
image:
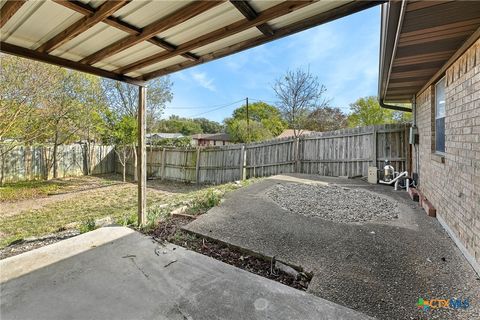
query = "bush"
{"x": 205, "y": 200}
{"x": 87, "y": 225}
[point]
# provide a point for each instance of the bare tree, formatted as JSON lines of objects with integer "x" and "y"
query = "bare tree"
{"x": 123, "y": 101}
{"x": 298, "y": 93}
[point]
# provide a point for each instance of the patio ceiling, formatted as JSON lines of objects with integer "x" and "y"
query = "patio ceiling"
{"x": 135, "y": 41}
{"x": 419, "y": 40}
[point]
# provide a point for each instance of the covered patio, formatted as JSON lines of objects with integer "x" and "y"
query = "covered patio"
{"x": 135, "y": 41}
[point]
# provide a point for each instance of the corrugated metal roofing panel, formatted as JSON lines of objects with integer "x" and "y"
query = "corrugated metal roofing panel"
{"x": 89, "y": 42}
{"x": 132, "y": 54}
{"x": 262, "y": 5}
{"x": 307, "y": 12}
{"x": 220, "y": 44}
{"x": 93, "y": 3}
{"x": 223, "y": 15}
{"x": 45, "y": 20}
{"x": 161, "y": 65}
{"x": 141, "y": 13}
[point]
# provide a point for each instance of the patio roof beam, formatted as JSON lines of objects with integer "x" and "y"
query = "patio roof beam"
{"x": 82, "y": 25}
{"x": 45, "y": 57}
{"x": 9, "y": 9}
{"x": 224, "y": 32}
{"x": 324, "y": 17}
{"x": 246, "y": 9}
{"x": 115, "y": 22}
{"x": 151, "y": 30}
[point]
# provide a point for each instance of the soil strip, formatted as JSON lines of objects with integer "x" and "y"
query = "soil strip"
{"x": 170, "y": 230}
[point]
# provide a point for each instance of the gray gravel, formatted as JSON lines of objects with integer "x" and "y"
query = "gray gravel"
{"x": 334, "y": 203}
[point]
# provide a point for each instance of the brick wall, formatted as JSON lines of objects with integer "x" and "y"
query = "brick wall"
{"x": 453, "y": 187}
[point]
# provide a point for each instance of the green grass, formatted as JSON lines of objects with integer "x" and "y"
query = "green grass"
{"x": 120, "y": 204}
{"x": 27, "y": 190}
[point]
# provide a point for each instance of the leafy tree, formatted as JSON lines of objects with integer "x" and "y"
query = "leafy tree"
{"x": 24, "y": 86}
{"x": 41, "y": 103}
{"x": 267, "y": 115}
{"x": 367, "y": 111}
{"x": 121, "y": 131}
{"x": 298, "y": 93}
{"x": 209, "y": 126}
{"x": 182, "y": 142}
{"x": 326, "y": 119}
{"x": 240, "y": 131}
{"x": 175, "y": 124}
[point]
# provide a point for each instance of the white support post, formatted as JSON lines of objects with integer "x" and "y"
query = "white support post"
{"x": 142, "y": 157}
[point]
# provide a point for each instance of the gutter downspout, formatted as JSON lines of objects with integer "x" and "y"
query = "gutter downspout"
{"x": 397, "y": 35}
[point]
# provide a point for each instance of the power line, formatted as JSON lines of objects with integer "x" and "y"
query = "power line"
{"x": 228, "y": 105}
{"x": 263, "y": 100}
{"x": 204, "y": 107}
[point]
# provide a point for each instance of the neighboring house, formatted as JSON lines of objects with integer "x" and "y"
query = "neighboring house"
{"x": 211, "y": 139}
{"x": 160, "y": 135}
{"x": 289, "y": 133}
{"x": 430, "y": 57}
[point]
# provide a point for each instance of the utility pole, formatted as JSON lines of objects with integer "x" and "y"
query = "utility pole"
{"x": 248, "y": 120}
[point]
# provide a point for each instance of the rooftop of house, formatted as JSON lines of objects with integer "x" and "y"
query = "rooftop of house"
{"x": 290, "y": 133}
{"x": 161, "y": 135}
{"x": 212, "y": 136}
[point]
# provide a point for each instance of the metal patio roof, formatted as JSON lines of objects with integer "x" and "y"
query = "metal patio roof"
{"x": 135, "y": 41}
{"x": 419, "y": 41}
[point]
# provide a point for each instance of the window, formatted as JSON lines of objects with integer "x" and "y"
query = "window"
{"x": 440, "y": 116}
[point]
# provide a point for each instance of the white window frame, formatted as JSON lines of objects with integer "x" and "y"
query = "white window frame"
{"x": 439, "y": 116}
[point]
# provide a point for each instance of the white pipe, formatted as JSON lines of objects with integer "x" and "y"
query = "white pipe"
{"x": 396, "y": 180}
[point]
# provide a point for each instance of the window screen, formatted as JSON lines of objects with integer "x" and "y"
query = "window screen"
{"x": 440, "y": 116}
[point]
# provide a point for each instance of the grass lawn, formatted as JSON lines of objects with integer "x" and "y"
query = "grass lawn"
{"x": 118, "y": 201}
{"x": 11, "y": 192}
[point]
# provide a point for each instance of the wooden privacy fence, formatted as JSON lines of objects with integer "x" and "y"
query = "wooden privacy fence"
{"x": 347, "y": 152}
{"x": 24, "y": 163}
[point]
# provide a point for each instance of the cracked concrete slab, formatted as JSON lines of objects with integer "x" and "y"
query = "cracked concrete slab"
{"x": 117, "y": 273}
{"x": 380, "y": 268}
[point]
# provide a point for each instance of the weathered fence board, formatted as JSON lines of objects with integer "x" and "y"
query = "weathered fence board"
{"x": 346, "y": 152}
{"x": 25, "y": 163}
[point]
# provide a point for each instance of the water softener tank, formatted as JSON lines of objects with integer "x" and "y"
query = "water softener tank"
{"x": 388, "y": 172}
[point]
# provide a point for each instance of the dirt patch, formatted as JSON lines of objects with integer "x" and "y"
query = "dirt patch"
{"x": 8, "y": 209}
{"x": 170, "y": 230}
{"x": 334, "y": 203}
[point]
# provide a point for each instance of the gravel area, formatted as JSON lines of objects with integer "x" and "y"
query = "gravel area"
{"x": 35, "y": 242}
{"x": 334, "y": 203}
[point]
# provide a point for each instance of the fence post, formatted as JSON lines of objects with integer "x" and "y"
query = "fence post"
{"x": 297, "y": 155}
{"x": 374, "y": 147}
{"x": 197, "y": 166}
{"x": 242, "y": 163}
{"x": 163, "y": 164}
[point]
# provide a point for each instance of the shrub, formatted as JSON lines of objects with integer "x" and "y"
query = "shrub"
{"x": 87, "y": 225}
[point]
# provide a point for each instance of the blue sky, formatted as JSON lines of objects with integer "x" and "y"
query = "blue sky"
{"x": 343, "y": 54}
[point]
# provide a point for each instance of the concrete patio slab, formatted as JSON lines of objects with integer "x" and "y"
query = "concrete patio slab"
{"x": 379, "y": 268}
{"x": 117, "y": 273}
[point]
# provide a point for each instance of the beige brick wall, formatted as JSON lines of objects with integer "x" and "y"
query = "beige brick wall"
{"x": 453, "y": 187}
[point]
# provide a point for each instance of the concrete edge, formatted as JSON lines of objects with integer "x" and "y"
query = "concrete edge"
{"x": 19, "y": 265}
{"x": 250, "y": 252}
{"x": 471, "y": 260}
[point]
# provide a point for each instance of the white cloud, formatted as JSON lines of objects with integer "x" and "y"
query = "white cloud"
{"x": 204, "y": 81}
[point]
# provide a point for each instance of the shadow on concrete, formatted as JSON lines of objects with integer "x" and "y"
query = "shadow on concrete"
{"x": 117, "y": 273}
